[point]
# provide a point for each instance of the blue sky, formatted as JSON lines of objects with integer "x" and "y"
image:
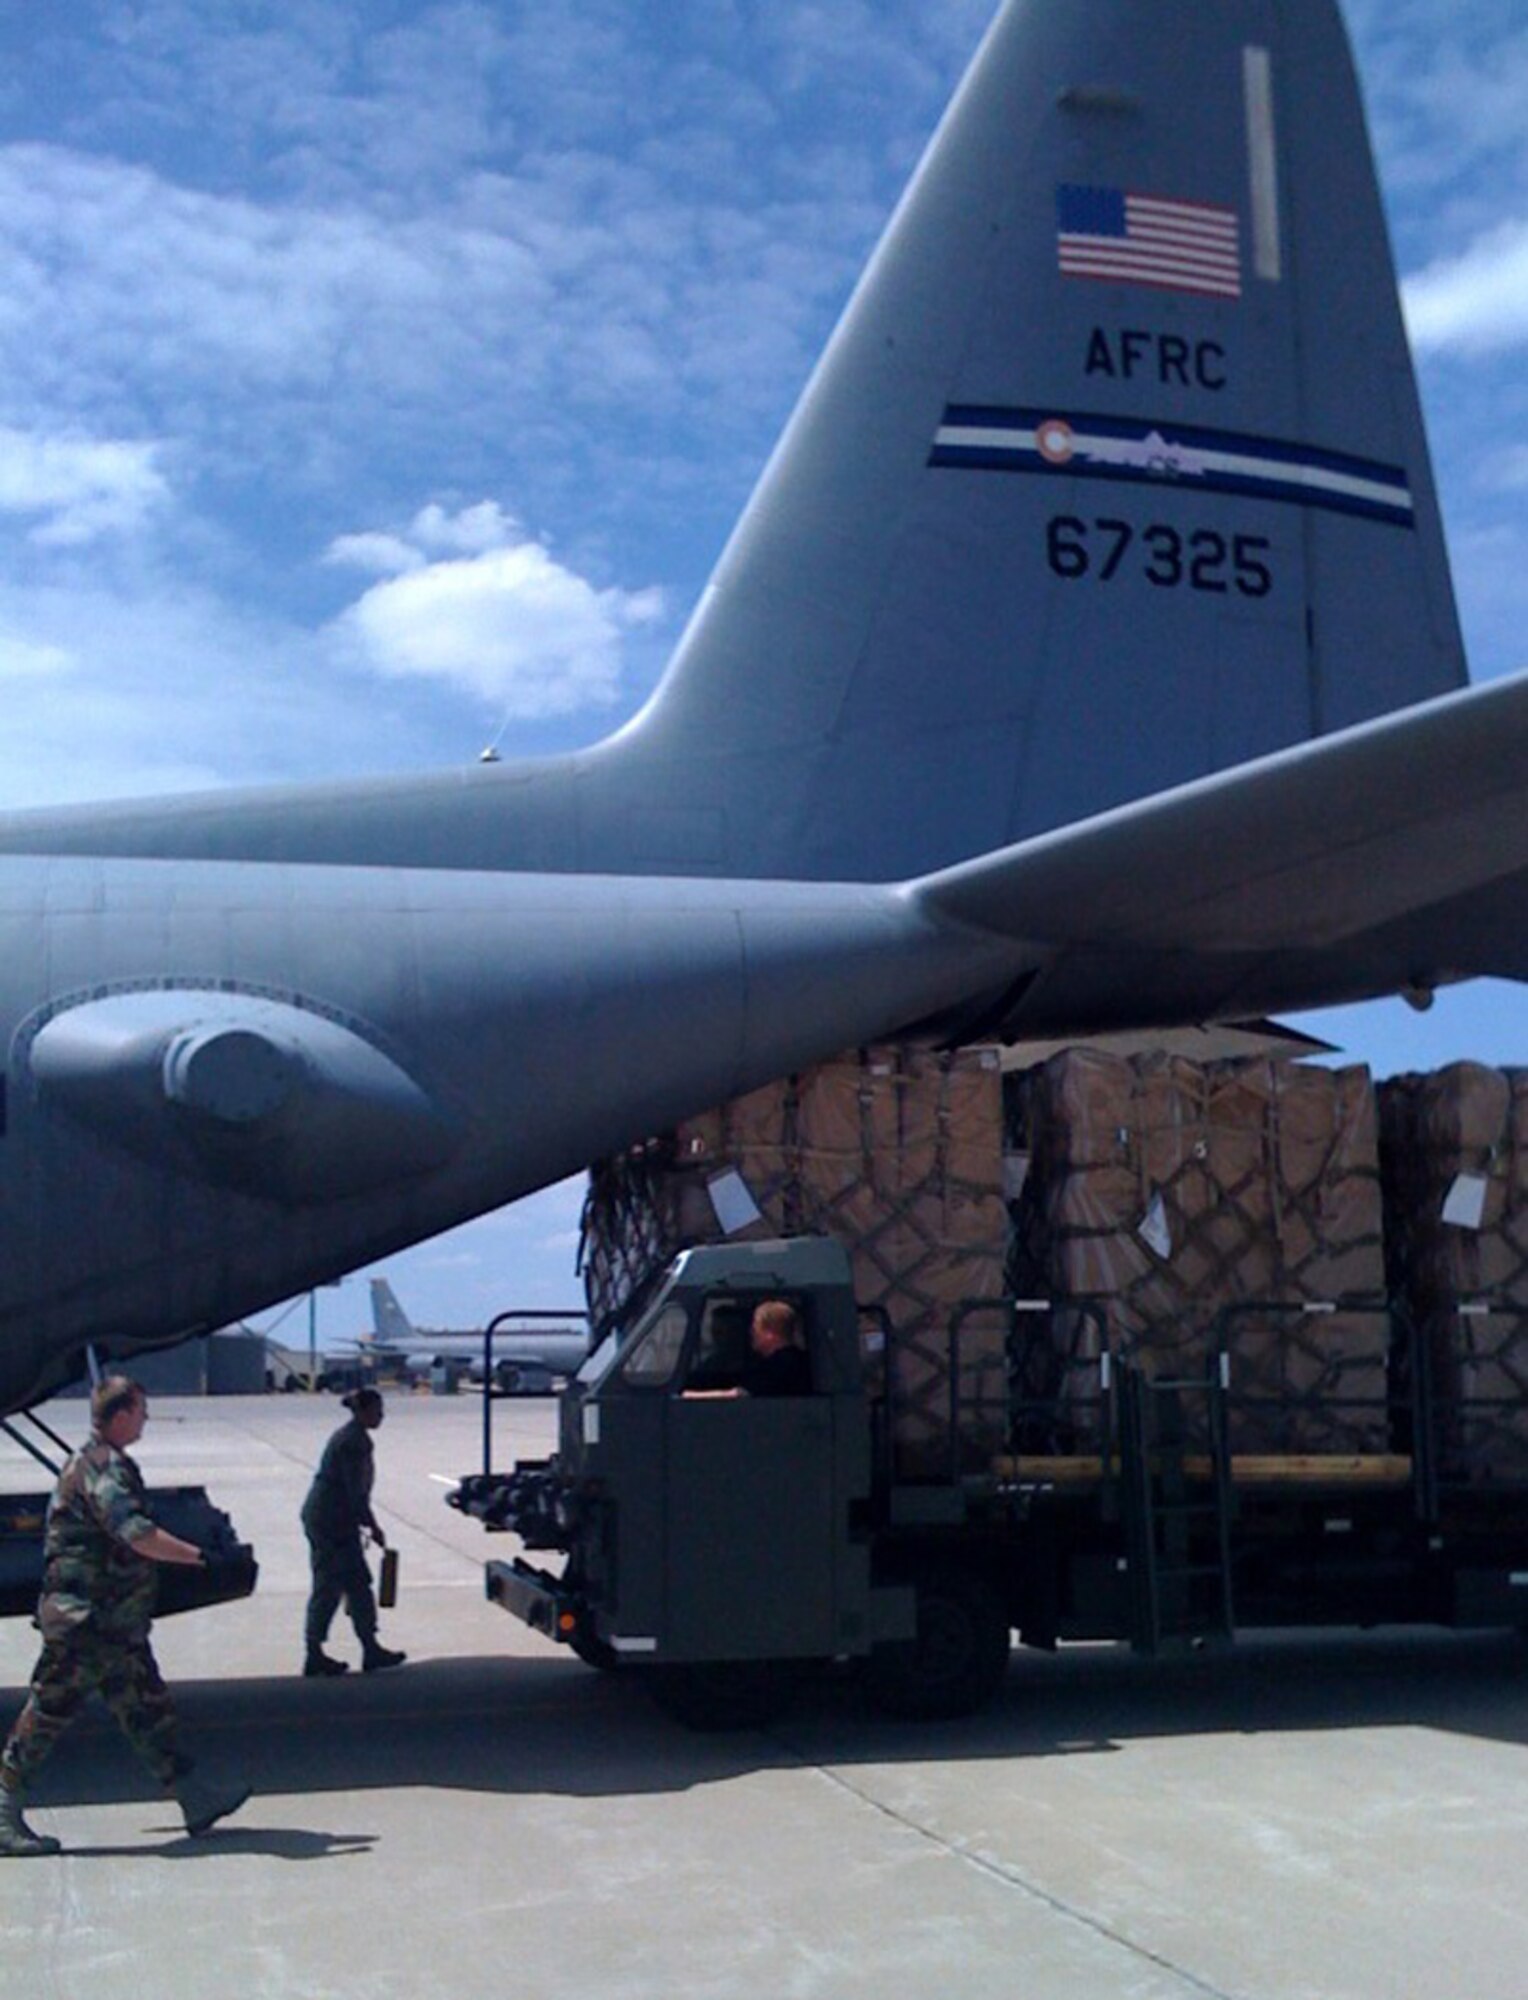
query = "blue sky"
{"x": 381, "y": 379}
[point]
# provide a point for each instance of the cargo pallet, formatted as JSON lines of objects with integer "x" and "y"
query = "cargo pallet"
{"x": 1131, "y": 1515}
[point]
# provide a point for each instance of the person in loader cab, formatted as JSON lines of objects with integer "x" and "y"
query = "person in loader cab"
{"x": 778, "y": 1363}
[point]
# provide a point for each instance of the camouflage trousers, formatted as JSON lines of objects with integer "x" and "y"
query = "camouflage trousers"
{"x": 339, "y": 1572}
{"x": 123, "y": 1672}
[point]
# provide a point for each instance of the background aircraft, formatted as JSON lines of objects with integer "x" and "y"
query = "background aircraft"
{"x": 529, "y": 1355}
{"x": 1045, "y": 687}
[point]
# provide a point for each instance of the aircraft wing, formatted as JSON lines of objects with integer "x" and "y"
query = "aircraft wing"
{"x": 1396, "y": 851}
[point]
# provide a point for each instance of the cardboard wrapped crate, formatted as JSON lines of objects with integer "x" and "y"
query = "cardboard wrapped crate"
{"x": 1454, "y": 1153}
{"x": 1183, "y": 1197}
{"x": 897, "y": 1153}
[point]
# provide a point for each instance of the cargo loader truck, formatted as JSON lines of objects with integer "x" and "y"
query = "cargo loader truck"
{"x": 722, "y": 1546}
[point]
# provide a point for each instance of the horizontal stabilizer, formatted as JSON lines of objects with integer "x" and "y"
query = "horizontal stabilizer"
{"x": 1215, "y": 1042}
{"x": 1400, "y": 846}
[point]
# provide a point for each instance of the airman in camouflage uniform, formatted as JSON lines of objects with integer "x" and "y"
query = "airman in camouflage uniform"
{"x": 100, "y": 1549}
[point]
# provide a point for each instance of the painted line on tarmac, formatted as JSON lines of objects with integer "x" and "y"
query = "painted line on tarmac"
{"x": 1013, "y": 1878}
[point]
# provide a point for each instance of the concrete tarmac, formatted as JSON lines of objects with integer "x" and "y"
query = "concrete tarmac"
{"x": 1327, "y": 1818}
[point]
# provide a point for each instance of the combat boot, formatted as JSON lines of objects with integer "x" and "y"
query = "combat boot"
{"x": 16, "y": 1837}
{"x": 319, "y": 1666}
{"x": 204, "y": 1803}
{"x": 376, "y": 1659}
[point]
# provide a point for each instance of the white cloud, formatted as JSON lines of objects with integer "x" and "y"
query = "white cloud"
{"x": 1490, "y": 560}
{"x": 521, "y": 1256}
{"x": 123, "y": 288}
{"x": 80, "y": 487}
{"x": 562, "y": 1239}
{"x": 506, "y": 621}
{"x": 552, "y": 1221}
{"x": 383, "y": 555}
{"x": 471, "y": 532}
{"x": 27, "y": 659}
{"x": 456, "y": 330}
{"x": 432, "y": 532}
{"x": 1477, "y": 301}
{"x": 511, "y": 625}
{"x": 122, "y": 685}
{"x": 1510, "y": 469}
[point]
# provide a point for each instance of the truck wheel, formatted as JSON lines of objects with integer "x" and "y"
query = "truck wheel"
{"x": 956, "y": 1662}
{"x": 721, "y": 1694}
{"x": 594, "y": 1652}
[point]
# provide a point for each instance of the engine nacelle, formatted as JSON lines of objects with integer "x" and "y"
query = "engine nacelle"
{"x": 254, "y": 1094}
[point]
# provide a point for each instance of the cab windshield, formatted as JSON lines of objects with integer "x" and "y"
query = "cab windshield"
{"x": 650, "y": 1359}
{"x": 596, "y": 1364}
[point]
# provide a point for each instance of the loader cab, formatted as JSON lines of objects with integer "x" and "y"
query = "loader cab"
{"x": 703, "y": 1346}
{"x": 719, "y": 1351}
{"x": 725, "y": 1516}
{"x": 694, "y": 1333}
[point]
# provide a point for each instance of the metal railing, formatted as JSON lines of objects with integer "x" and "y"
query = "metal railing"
{"x": 60, "y": 1445}
{"x": 1308, "y": 1377}
{"x": 1474, "y": 1370}
{"x": 502, "y": 1323}
{"x": 1036, "y": 1380}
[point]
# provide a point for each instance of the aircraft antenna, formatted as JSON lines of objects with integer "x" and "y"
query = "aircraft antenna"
{"x": 489, "y": 754}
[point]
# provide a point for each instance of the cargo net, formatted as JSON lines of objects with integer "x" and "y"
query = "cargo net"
{"x": 897, "y": 1153}
{"x": 1309, "y": 1379}
{"x": 1483, "y": 1438}
{"x": 1166, "y": 1193}
{"x": 1454, "y": 1148}
{"x": 1058, "y": 1405}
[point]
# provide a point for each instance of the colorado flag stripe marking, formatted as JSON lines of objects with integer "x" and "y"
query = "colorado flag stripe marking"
{"x": 984, "y": 438}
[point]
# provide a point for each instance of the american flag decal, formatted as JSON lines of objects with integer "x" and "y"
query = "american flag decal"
{"x": 1147, "y": 239}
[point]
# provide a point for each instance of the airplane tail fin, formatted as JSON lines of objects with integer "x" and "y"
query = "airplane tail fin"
{"x": 389, "y": 1319}
{"x": 1111, "y": 477}
{"x": 1113, "y": 474}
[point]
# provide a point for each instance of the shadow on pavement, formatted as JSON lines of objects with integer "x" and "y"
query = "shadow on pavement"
{"x": 277, "y": 1843}
{"x": 552, "y": 1726}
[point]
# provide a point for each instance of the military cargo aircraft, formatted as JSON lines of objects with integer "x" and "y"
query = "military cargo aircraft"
{"x": 531, "y": 1352}
{"x": 1085, "y": 660}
